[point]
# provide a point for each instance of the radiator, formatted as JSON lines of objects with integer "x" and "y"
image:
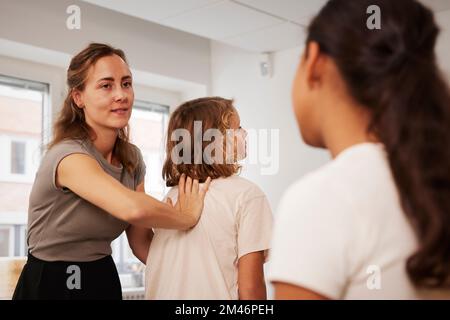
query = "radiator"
{"x": 133, "y": 294}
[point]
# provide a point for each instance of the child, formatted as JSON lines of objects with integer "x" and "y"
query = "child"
{"x": 374, "y": 223}
{"x": 223, "y": 256}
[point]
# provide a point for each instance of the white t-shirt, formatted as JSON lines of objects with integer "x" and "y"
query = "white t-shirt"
{"x": 202, "y": 263}
{"x": 341, "y": 232}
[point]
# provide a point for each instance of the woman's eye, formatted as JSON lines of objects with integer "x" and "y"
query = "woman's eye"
{"x": 106, "y": 86}
{"x": 127, "y": 84}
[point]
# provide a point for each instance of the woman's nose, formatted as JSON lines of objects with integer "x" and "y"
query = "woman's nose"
{"x": 120, "y": 94}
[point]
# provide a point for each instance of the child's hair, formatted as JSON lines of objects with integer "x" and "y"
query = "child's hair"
{"x": 71, "y": 123}
{"x": 393, "y": 72}
{"x": 214, "y": 113}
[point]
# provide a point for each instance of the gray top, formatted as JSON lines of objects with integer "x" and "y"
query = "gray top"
{"x": 61, "y": 225}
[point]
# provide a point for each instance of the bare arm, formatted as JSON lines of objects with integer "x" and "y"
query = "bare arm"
{"x": 285, "y": 291}
{"x": 140, "y": 238}
{"x": 251, "y": 284}
{"x": 84, "y": 176}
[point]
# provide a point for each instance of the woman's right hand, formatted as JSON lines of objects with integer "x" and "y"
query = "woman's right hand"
{"x": 191, "y": 197}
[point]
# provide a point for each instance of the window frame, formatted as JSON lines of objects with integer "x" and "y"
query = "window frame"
{"x": 33, "y": 148}
{"x": 11, "y": 238}
{"x": 23, "y": 245}
{"x": 165, "y": 111}
{"x": 14, "y": 144}
{"x": 30, "y": 144}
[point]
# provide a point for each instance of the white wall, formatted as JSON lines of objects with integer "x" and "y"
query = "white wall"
{"x": 149, "y": 47}
{"x": 265, "y": 104}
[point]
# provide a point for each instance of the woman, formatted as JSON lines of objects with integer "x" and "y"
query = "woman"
{"x": 90, "y": 188}
{"x": 375, "y": 222}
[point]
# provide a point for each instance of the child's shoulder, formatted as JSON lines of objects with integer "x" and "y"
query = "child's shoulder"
{"x": 242, "y": 187}
{"x": 239, "y": 185}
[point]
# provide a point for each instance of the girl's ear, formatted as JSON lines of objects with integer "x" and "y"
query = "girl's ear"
{"x": 76, "y": 97}
{"x": 313, "y": 64}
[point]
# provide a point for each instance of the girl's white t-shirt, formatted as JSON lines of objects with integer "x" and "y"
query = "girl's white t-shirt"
{"x": 341, "y": 232}
{"x": 202, "y": 263}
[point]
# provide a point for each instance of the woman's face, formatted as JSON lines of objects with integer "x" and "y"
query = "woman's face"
{"x": 307, "y": 100}
{"x": 108, "y": 96}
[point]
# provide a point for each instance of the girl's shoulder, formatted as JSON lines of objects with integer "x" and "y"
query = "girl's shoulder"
{"x": 242, "y": 187}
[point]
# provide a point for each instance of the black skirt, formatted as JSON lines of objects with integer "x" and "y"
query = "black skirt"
{"x": 64, "y": 280}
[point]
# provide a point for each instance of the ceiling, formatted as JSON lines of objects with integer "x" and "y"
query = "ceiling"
{"x": 254, "y": 25}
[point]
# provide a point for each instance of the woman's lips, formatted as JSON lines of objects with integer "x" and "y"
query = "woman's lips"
{"x": 120, "y": 111}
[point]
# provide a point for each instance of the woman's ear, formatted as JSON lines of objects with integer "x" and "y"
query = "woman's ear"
{"x": 313, "y": 64}
{"x": 76, "y": 97}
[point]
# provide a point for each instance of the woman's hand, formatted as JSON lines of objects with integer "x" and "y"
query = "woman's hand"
{"x": 191, "y": 197}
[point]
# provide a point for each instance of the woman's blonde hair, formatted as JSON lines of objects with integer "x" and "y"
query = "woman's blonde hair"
{"x": 214, "y": 113}
{"x": 71, "y": 123}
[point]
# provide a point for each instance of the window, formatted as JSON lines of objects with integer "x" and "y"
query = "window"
{"x": 147, "y": 129}
{"x": 148, "y": 125}
{"x": 22, "y": 105}
{"x": 13, "y": 240}
{"x": 6, "y": 241}
{"x": 18, "y": 157}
